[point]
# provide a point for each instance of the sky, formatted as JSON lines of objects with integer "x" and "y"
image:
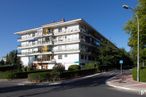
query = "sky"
{"x": 106, "y": 16}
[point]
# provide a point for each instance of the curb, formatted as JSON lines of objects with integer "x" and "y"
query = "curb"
{"x": 60, "y": 82}
{"x": 140, "y": 91}
{"x": 121, "y": 87}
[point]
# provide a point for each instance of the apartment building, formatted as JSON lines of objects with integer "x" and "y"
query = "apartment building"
{"x": 64, "y": 42}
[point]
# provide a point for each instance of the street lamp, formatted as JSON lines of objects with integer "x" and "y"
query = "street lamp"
{"x": 137, "y": 18}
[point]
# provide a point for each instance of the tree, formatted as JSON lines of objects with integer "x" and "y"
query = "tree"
{"x": 108, "y": 55}
{"x": 2, "y": 62}
{"x": 13, "y": 59}
{"x": 131, "y": 29}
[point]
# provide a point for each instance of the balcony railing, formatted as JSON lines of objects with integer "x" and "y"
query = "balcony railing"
{"x": 66, "y": 41}
{"x": 67, "y": 32}
{"x": 33, "y": 52}
{"x": 33, "y": 37}
{"x": 44, "y": 60}
{"x": 34, "y": 44}
{"x": 62, "y": 50}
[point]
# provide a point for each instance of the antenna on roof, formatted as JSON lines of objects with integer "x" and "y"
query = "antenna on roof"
{"x": 62, "y": 20}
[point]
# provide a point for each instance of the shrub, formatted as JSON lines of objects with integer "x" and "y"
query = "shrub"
{"x": 59, "y": 68}
{"x": 134, "y": 72}
{"x": 142, "y": 74}
{"x": 90, "y": 66}
{"x": 5, "y": 68}
{"x": 54, "y": 75}
{"x": 7, "y": 75}
{"x": 72, "y": 74}
{"x": 39, "y": 77}
{"x": 74, "y": 67}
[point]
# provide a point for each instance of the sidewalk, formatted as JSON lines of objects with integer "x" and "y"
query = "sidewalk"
{"x": 125, "y": 82}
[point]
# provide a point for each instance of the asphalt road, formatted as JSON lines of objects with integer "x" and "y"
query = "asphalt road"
{"x": 91, "y": 87}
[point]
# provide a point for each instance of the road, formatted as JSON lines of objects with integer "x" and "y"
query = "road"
{"x": 91, "y": 87}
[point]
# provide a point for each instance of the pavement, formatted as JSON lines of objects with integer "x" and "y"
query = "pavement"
{"x": 126, "y": 82}
{"x": 92, "y": 85}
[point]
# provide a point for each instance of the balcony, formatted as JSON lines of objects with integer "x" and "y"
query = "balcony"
{"x": 63, "y": 41}
{"x": 71, "y": 49}
{"x": 33, "y": 37}
{"x": 34, "y": 53}
{"x": 44, "y": 60}
{"x": 34, "y": 45}
{"x": 59, "y": 51}
{"x": 25, "y": 39}
{"x": 67, "y": 32}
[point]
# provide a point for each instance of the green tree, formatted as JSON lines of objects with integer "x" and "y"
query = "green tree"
{"x": 131, "y": 29}
{"x": 13, "y": 59}
{"x": 108, "y": 54}
{"x": 2, "y": 62}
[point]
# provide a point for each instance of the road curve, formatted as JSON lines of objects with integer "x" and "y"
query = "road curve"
{"x": 90, "y": 87}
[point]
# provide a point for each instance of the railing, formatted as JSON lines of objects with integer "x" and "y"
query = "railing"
{"x": 43, "y": 59}
{"x": 60, "y": 50}
{"x": 66, "y": 41}
{"x": 33, "y": 52}
{"x": 46, "y": 60}
{"x": 35, "y": 44}
{"x": 33, "y": 37}
{"x": 67, "y": 32}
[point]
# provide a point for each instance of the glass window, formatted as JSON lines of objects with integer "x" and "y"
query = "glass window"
{"x": 65, "y": 55}
{"x": 59, "y": 56}
{"x": 60, "y": 29}
{"x": 82, "y": 56}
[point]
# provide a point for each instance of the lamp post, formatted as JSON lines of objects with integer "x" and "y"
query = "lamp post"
{"x": 137, "y": 19}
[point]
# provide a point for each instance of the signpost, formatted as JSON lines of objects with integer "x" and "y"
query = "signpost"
{"x": 121, "y": 63}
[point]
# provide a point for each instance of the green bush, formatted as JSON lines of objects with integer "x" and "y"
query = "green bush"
{"x": 59, "y": 68}
{"x": 73, "y": 74}
{"x": 74, "y": 68}
{"x": 55, "y": 75}
{"x": 142, "y": 74}
{"x": 134, "y": 72}
{"x": 90, "y": 66}
{"x": 39, "y": 76}
{"x": 7, "y": 75}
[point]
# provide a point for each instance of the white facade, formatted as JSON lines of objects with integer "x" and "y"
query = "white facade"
{"x": 68, "y": 43}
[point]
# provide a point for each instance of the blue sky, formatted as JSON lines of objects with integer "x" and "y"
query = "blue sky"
{"x": 106, "y": 16}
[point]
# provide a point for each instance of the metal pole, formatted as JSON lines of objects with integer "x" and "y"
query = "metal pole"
{"x": 137, "y": 18}
{"x": 121, "y": 69}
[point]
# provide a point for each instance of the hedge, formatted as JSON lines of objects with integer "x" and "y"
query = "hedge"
{"x": 90, "y": 66}
{"x": 52, "y": 75}
{"x": 7, "y": 75}
{"x": 142, "y": 74}
{"x": 72, "y": 74}
{"x": 15, "y": 75}
{"x": 39, "y": 76}
{"x": 74, "y": 68}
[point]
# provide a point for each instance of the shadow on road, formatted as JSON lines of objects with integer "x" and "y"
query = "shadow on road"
{"x": 90, "y": 82}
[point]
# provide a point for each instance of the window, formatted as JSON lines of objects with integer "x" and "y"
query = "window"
{"x": 65, "y": 55}
{"x": 82, "y": 56}
{"x": 59, "y": 56}
{"x": 97, "y": 43}
{"x": 60, "y": 29}
{"x": 50, "y": 30}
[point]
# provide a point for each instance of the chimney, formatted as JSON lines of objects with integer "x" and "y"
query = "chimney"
{"x": 62, "y": 20}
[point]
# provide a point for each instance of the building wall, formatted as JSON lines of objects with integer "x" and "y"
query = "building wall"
{"x": 67, "y": 59}
{"x": 70, "y": 42}
{"x": 26, "y": 61}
